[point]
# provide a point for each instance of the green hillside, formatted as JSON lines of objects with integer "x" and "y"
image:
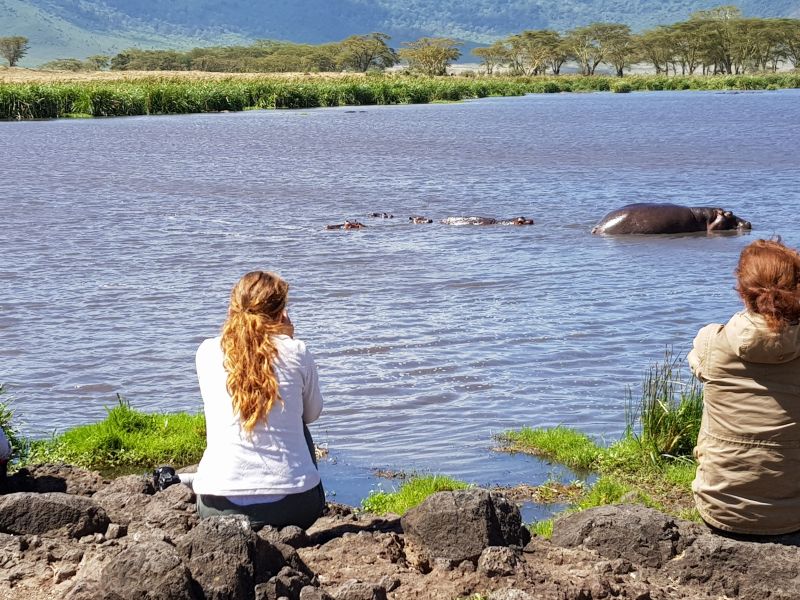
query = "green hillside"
{"x": 79, "y": 28}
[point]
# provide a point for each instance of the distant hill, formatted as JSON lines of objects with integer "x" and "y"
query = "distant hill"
{"x": 79, "y": 28}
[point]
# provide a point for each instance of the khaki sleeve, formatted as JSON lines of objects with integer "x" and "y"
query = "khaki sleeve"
{"x": 698, "y": 357}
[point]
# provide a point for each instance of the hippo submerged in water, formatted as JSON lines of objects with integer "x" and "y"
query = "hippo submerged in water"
{"x": 485, "y": 221}
{"x": 419, "y": 220}
{"x": 347, "y": 225}
{"x": 650, "y": 218}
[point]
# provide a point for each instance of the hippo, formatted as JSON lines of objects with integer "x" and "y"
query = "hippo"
{"x": 347, "y": 225}
{"x": 651, "y": 218}
{"x": 418, "y": 220}
{"x": 381, "y": 215}
{"x": 486, "y": 221}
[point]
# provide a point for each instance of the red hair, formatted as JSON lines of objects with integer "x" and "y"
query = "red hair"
{"x": 768, "y": 280}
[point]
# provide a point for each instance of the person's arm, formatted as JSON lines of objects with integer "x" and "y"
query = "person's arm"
{"x": 312, "y": 397}
{"x": 698, "y": 357}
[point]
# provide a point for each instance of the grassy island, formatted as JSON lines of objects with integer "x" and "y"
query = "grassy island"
{"x": 43, "y": 95}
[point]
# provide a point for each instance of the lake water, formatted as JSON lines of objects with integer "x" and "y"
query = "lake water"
{"x": 121, "y": 239}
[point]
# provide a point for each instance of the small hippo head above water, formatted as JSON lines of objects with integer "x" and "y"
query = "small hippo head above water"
{"x": 381, "y": 215}
{"x": 521, "y": 221}
{"x": 346, "y": 225}
{"x": 418, "y": 220}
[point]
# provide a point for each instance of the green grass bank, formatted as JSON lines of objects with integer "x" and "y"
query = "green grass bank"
{"x": 173, "y": 94}
{"x": 651, "y": 463}
{"x": 125, "y": 441}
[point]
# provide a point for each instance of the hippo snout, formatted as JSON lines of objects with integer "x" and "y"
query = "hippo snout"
{"x": 744, "y": 225}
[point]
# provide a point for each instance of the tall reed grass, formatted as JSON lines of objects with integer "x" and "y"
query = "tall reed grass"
{"x": 663, "y": 423}
{"x": 177, "y": 94}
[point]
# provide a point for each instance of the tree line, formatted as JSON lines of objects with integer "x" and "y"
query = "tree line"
{"x": 716, "y": 41}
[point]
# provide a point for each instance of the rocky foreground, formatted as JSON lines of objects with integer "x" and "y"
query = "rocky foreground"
{"x": 68, "y": 533}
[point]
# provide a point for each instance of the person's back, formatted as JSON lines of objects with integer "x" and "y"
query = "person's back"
{"x": 273, "y": 458}
{"x": 748, "y": 450}
{"x": 260, "y": 388}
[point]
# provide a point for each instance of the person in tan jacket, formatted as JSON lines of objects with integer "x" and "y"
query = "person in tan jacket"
{"x": 748, "y": 449}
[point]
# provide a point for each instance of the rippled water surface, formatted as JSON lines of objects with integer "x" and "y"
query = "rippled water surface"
{"x": 121, "y": 239}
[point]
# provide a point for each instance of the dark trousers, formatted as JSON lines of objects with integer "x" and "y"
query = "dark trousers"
{"x": 295, "y": 509}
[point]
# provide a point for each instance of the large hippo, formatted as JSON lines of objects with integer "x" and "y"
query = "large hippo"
{"x": 486, "y": 221}
{"x": 649, "y": 218}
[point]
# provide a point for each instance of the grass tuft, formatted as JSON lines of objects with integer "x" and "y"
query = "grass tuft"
{"x": 410, "y": 493}
{"x": 543, "y": 529}
{"x": 567, "y": 446}
{"x": 127, "y": 438}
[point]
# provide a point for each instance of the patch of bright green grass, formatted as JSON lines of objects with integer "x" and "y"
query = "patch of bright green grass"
{"x": 127, "y": 438}
{"x": 567, "y": 446}
{"x": 410, "y": 493}
{"x": 606, "y": 490}
{"x": 543, "y": 529}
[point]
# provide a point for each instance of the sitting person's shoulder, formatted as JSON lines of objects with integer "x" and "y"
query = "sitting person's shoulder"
{"x": 209, "y": 346}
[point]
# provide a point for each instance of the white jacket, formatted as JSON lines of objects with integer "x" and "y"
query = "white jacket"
{"x": 275, "y": 459}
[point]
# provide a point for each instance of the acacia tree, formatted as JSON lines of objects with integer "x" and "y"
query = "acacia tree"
{"x": 656, "y": 47}
{"x": 585, "y": 44}
{"x": 430, "y": 56}
{"x": 532, "y": 51}
{"x": 98, "y": 62}
{"x": 13, "y": 48}
{"x": 493, "y": 56}
{"x": 719, "y": 28}
{"x": 618, "y": 45}
{"x": 363, "y": 52}
{"x": 790, "y": 40}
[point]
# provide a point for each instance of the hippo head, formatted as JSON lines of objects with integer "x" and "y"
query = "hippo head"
{"x": 417, "y": 220}
{"x": 353, "y": 225}
{"x": 725, "y": 220}
{"x": 522, "y": 221}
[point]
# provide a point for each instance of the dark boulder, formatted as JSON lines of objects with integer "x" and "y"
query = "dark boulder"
{"x": 738, "y": 569}
{"x": 226, "y": 558}
{"x": 359, "y": 590}
{"x": 53, "y": 477}
{"x": 148, "y": 571}
{"x": 288, "y": 583}
{"x": 51, "y": 513}
{"x": 641, "y": 535}
{"x": 459, "y": 525}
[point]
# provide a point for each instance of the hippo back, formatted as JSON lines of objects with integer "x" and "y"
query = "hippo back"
{"x": 650, "y": 218}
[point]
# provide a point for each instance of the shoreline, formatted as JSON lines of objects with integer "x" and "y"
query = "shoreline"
{"x": 68, "y": 533}
{"x": 110, "y": 94}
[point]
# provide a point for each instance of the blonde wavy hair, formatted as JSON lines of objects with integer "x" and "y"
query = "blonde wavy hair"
{"x": 256, "y": 313}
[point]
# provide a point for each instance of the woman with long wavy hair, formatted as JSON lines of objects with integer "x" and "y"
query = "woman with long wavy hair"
{"x": 748, "y": 450}
{"x": 260, "y": 388}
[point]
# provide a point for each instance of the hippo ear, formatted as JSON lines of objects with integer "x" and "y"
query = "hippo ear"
{"x": 727, "y": 214}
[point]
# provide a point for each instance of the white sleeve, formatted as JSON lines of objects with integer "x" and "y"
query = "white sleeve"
{"x": 312, "y": 397}
{"x": 5, "y": 447}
